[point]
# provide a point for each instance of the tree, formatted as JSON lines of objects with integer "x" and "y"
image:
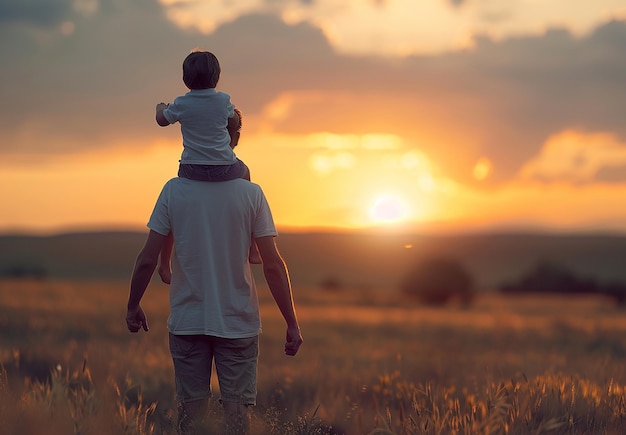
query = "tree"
{"x": 438, "y": 281}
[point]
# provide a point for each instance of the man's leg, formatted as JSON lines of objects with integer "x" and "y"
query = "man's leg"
{"x": 236, "y": 365}
{"x": 190, "y": 413}
{"x": 192, "y": 356}
{"x": 237, "y": 418}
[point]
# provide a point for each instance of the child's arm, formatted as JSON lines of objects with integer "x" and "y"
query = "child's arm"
{"x": 160, "y": 119}
{"x": 165, "y": 270}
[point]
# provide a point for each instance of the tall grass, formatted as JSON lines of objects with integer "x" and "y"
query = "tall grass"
{"x": 69, "y": 403}
{"x": 505, "y": 366}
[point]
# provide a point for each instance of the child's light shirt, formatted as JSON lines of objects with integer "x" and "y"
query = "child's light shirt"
{"x": 203, "y": 115}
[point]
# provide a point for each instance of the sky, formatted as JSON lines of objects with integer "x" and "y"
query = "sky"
{"x": 433, "y": 116}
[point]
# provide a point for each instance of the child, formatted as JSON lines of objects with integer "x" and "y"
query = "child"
{"x": 210, "y": 127}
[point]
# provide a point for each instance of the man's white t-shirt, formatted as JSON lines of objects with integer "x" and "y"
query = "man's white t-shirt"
{"x": 212, "y": 291}
{"x": 203, "y": 115}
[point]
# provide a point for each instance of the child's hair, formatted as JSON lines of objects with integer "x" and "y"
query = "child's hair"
{"x": 201, "y": 70}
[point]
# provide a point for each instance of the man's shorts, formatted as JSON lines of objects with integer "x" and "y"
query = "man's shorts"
{"x": 235, "y": 363}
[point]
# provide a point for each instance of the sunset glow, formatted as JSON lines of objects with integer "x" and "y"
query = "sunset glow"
{"x": 98, "y": 192}
{"x": 466, "y": 124}
{"x": 387, "y": 208}
{"x": 482, "y": 169}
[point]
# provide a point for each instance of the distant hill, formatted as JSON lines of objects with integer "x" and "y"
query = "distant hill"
{"x": 372, "y": 261}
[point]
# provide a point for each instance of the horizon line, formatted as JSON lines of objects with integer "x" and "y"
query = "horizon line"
{"x": 399, "y": 229}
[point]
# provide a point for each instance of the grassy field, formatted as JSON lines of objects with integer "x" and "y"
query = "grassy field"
{"x": 371, "y": 363}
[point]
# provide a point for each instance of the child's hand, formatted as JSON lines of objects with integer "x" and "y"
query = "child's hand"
{"x": 160, "y": 119}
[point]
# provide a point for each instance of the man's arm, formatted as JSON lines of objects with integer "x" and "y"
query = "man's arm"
{"x": 160, "y": 119}
{"x": 277, "y": 278}
{"x": 144, "y": 268}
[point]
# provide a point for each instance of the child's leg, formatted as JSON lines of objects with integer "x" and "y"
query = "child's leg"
{"x": 246, "y": 171}
{"x": 165, "y": 270}
{"x": 253, "y": 256}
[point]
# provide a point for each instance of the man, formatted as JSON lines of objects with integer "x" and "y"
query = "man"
{"x": 214, "y": 313}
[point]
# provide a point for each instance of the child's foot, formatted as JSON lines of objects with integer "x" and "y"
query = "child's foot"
{"x": 166, "y": 274}
{"x": 254, "y": 257}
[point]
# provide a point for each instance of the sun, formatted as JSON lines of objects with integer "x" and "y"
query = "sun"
{"x": 387, "y": 208}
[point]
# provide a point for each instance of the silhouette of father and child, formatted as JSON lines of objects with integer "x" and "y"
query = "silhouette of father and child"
{"x": 208, "y": 225}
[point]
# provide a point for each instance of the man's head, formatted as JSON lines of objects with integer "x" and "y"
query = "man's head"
{"x": 201, "y": 70}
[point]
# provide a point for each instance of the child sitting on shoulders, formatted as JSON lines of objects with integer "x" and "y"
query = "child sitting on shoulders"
{"x": 210, "y": 127}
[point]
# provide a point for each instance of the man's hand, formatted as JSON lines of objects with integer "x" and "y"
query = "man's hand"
{"x": 294, "y": 340}
{"x": 136, "y": 319}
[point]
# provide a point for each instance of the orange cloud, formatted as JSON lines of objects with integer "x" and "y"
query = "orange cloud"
{"x": 575, "y": 157}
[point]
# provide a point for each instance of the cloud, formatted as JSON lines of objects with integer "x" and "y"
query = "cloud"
{"x": 577, "y": 157}
{"x": 499, "y": 101}
{"x": 518, "y": 92}
{"x": 323, "y": 163}
{"x": 46, "y": 14}
{"x": 612, "y": 174}
{"x": 99, "y": 86}
{"x": 401, "y": 27}
{"x": 85, "y": 90}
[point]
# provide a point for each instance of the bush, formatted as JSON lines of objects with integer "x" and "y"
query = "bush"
{"x": 438, "y": 281}
{"x": 547, "y": 277}
{"x": 24, "y": 271}
{"x": 616, "y": 291}
{"x": 331, "y": 283}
